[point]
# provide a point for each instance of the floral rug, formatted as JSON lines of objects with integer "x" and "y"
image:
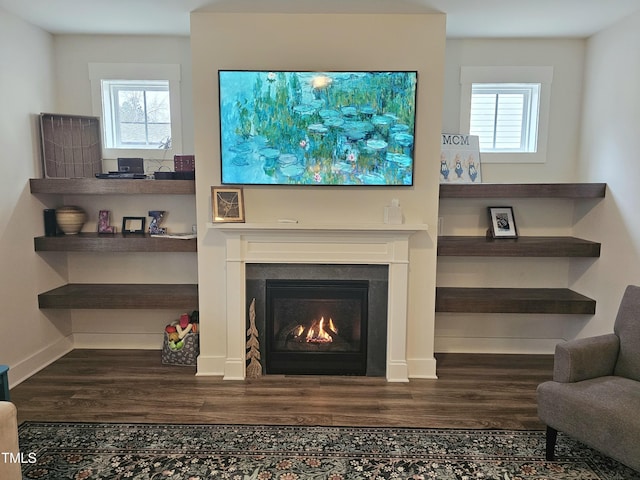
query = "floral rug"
{"x": 58, "y": 451}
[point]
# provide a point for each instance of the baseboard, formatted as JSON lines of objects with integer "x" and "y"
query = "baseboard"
{"x": 523, "y": 346}
{"x": 31, "y": 365}
{"x": 212, "y": 366}
{"x": 422, "y": 368}
{"x": 119, "y": 341}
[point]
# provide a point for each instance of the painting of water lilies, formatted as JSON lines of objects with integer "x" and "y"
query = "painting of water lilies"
{"x": 317, "y": 128}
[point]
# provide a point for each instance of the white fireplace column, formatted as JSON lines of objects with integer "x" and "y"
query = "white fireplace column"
{"x": 321, "y": 244}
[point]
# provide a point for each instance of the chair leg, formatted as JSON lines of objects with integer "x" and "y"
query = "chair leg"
{"x": 552, "y": 435}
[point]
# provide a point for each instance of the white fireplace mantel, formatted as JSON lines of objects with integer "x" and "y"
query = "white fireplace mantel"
{"x": 310, "y": 243}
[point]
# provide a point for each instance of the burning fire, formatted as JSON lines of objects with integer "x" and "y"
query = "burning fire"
{"x": 317, "y": 332}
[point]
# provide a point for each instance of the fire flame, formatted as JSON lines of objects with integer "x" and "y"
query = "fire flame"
{"x": 317, "y": 332}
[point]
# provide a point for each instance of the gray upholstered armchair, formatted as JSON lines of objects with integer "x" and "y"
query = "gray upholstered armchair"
{"x": 595, "y": 393}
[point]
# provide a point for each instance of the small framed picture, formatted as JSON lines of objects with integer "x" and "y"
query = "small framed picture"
{"x": 228, "y": 204}
{"x": 503, "y": 223}
{"x": 133, "y": 225}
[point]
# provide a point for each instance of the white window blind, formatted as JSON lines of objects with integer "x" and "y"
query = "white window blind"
{"x": 505, "y": 116}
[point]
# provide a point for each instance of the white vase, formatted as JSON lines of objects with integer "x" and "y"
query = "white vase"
{"x": 70, "y": 219}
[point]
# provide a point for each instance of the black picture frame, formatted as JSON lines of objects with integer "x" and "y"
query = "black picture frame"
{"x": 502, "y": 222}
{"x": 133, "y": 225}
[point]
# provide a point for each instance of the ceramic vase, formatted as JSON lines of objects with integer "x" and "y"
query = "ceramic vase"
{"x": 70, "y": 219}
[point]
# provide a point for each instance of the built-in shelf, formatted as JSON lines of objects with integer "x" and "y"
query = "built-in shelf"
{"x": 517, "y": 300}
{"x": 513, "y": 300}
{"x": 520, "y": 247}
{"x": 121, "y": 296}
{"x": 94, "y": 242}
{"x": 107, "y": 295}
{"x": 523, "y": 190}
{"x": 117, "y": 186}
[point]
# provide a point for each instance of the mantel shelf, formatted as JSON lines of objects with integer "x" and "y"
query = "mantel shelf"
{"x": 468, "y": 246}
{"x": 95, "y": 242}
{"x": 116, "y": 296}
{"x": 523, "y": 190}
{"x": 513, "y": 300}
{"x": 407, "y": 229}
{"x": 119, "y": 186}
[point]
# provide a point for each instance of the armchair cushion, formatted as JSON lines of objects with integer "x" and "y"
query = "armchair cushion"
{"x": 585, "y": 358}
{"x": 601, "y": 412}
{"x": 627, "y": 327}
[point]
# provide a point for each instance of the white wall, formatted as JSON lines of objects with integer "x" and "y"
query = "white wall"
{"x": 125, "y": 328}
{"x": 609, "y": 153}
{"x": 31, "y": 338}
{"x": 308, "y": 42}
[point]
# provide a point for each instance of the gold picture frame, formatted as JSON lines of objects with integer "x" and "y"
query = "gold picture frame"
{"x": 227, "y": 204}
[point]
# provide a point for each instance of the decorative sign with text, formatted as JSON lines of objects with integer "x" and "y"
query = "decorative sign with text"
{"x": 460, "y": 159}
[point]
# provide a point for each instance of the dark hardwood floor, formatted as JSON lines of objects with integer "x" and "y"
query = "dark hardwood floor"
{"x": 472, "y": 391}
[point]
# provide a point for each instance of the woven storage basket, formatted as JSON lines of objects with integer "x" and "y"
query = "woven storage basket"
{"x": 186, "y": 356}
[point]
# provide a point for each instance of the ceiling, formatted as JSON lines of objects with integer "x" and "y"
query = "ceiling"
{"x": 465, "y": 18}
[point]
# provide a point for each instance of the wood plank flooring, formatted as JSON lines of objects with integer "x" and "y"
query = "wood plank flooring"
{"x": 472, "y": 391}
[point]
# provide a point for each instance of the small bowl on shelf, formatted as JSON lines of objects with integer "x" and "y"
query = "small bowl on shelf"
{"x": 70, "y": 219}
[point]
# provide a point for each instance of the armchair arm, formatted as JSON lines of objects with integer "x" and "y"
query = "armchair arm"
{"x": 585, "y": 358}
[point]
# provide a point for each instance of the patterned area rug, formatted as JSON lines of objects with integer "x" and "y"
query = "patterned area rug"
{"x": 244, "y": 452}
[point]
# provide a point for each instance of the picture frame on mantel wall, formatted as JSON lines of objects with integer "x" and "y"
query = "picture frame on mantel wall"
{"x": 227, "y": 204}
{"x": 502, "y": 222}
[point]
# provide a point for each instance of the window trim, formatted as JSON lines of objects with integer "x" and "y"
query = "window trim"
{"x": 131, "y": 71}
{"x": 541, "y": 75}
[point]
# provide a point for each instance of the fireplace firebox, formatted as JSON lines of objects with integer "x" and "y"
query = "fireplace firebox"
{"x": 316, "y": 326}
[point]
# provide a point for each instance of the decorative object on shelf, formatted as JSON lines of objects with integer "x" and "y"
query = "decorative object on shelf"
{"x": 154, "y": 225}
{"x": 317, "y": 128}
{"x": 130, "y": 165}
{"x": 393, "y": 213}
{"x": 254, "y": 369}
{"x": 228, "y": 204}
{"x": 133, "y": 225}
{"x": 104, "y": 223}
{"x": 70, "y": 219}
{"x": 50, "y": 227}
{"x": 503, "y": 223}
{"x": 460, "y": 159}
{"x": 71, "y": 145}
{"x": 184, "y": 167}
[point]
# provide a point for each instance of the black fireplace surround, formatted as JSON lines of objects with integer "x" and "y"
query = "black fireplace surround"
{"x": 320, "y": 319}
{"x": 316, "y": 326}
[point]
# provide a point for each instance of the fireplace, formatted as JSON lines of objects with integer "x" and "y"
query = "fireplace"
{"x": 353, "y": 298}
{"x": 316, "y": 327}
{"x": 305, "y": 245}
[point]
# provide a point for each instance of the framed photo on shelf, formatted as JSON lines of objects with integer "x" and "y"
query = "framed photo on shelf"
{"x": 503, "y": 223}
{"x": 133, "y": 225}
{"x": 228, "y": 204}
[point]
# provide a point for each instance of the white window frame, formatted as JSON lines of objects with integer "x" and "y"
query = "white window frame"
{"x": 510, "y": 75}
{"x": 141, "y": 72}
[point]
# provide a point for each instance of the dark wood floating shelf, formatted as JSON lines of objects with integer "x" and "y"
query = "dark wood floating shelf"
{"x": 523, "y": 190}
{"x": 513, "y": 300}
{"x": 94, "y": 242}
{"x": 97, "y": 186}
{"x": 115, "y": 296}
{"x": 461, "y": 246}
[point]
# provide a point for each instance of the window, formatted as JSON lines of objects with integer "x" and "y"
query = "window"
{"x": 508, "y": 108}
{"x": 137, "y": 114}
{"x": 505, "y": 116}
{"x": 140, "y": 109}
